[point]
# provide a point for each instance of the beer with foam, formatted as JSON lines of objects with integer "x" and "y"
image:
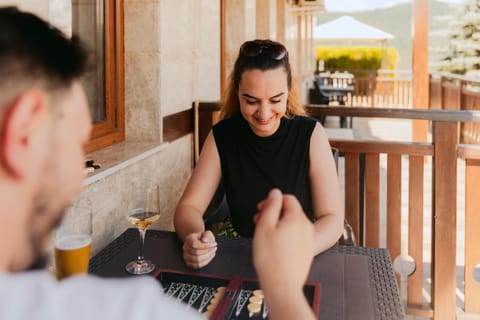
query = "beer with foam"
{"x": 72, "y": 253}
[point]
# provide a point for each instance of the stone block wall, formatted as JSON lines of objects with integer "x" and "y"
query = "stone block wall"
{"x": 172, "y": 57}
{"x": 170, "y": 167}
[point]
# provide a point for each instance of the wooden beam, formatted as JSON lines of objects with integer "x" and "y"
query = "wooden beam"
{"x": 390, "y": 147}
{"x": 432, "y": 115}
{"x": 177, "y": 125}
{"x": 420, "y": 66}
{"x": 444, "y": 220}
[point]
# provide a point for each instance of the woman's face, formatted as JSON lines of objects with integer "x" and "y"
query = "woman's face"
{"x": 263, "y": 99}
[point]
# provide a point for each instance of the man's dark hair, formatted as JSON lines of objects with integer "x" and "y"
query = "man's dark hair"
{"x": 33, "y": 52}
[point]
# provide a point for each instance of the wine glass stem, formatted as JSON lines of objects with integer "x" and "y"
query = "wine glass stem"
{"x": 142, "y": 240}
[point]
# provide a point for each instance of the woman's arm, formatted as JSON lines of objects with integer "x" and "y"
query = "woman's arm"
{"x": 199, "y": 246}
{"x": 327, "y": 205}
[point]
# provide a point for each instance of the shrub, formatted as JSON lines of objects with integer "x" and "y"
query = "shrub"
{"x": 357, "y": 58}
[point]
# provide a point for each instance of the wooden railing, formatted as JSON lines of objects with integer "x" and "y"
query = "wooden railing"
{"x": 438, "y": 159}
{"x": 362, "y": 203}
{"x": 454, "y": 92}
{"x": 381, "y": 88}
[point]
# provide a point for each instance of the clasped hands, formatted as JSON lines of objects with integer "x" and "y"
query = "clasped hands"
{"x": 284, "y": 238}
{"x": 199, "y": 249}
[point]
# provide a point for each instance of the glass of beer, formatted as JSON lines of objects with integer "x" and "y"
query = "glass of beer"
{"x": 73, "y": 240}
{"x": 144, "y": 210}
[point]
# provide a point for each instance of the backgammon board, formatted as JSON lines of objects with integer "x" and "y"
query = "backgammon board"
{"x": 224, "y": 298}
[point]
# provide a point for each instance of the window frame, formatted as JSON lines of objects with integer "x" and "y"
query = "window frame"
{"x": 112, "y": 129}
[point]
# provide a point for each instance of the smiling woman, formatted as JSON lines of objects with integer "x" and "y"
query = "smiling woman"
{"x": 264, "y": 141}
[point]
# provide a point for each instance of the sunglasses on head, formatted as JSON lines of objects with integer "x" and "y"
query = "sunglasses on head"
{"x": 275, "y": 51}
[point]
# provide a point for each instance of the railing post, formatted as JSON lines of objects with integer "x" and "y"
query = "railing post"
{"x": 445, "y": 140}
{"x": 442, "y": 92}
{"x": 352, "y": 192}
{"x": 371, "y": 80}
{"x": 472, "y": 236}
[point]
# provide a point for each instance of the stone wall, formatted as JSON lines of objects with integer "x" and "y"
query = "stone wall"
{"x": 172, "y": 57}
{"x": 109, "y": 196}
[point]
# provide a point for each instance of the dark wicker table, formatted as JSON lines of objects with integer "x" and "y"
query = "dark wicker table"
{"x": 356, "y": 283}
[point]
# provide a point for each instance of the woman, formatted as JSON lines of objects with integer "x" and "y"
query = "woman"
{"x": 264, "y": 141}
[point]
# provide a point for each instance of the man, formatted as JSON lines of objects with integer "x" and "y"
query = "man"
{"x": 44, "y": 122}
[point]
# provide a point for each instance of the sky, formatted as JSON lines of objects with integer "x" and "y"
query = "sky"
{"x": 363, "y": 5}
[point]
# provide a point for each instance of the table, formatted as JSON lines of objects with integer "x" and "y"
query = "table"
{"x": 337, "y": 92}
{"x": 356, "y": 283}
{"x": 340, "y": 94}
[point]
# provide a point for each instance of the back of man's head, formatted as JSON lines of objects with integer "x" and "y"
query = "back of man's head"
{"x": 34, "y": 53}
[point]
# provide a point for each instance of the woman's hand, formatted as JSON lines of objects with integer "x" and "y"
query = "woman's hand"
{"x": 199, "y": 249}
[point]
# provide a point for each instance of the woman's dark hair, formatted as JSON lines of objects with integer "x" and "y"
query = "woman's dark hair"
{"x": 263, "y": 55}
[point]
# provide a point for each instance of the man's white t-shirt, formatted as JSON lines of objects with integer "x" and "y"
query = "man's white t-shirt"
{"x": 38, "y": 295}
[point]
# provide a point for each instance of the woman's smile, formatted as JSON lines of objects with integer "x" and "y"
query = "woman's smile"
{"x": 263, "y": 121}
{"x": 263, "y": 99}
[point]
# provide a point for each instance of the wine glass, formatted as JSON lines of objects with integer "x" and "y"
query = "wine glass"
{"x": 144, "y": 211}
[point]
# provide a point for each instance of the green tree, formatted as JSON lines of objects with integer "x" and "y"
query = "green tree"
{"x": 463, "y": 54}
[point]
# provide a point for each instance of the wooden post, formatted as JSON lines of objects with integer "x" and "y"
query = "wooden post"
{"x": 415, "y": 229}
{"x": 237, "y": 21}
{"x": 442, "y": 92}
{"x": 352, "y": 192}
{"x": 266, "y": 22}
{"x": 281, "y": 21}
{"x": 472, "y": 235}
{"x": 372, "y": 200}
{"x": 444, "y": 220}
{"x": 394, "y": 205}
{"x": 420, "y": 67}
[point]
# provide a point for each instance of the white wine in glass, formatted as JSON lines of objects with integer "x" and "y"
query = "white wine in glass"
{"x": 142, "y": 217}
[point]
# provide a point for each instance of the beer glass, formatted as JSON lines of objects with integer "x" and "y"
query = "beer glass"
{"x": 143, "y": 211}
{"x": 73, "y": 240}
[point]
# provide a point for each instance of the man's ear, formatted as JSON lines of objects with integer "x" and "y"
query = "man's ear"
{"x": 20, "y": 124}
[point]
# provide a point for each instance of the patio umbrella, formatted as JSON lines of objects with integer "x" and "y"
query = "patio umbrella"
{"x": 347, "y": 28}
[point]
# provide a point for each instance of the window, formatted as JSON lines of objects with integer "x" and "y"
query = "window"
{"x": 100, "y": 25}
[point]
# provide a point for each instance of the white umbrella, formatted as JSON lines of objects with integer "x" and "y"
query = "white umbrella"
{"x": 347, "y": 28}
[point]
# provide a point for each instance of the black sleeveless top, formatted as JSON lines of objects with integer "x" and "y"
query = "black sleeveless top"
{"x": 253, "y": 165}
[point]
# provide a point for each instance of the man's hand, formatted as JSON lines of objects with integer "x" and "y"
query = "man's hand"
{"x": 199, "y": 249}
{"x": 283, "y": 246}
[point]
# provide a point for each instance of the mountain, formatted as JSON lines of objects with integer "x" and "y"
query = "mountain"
{"x": 398, "y": 20}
